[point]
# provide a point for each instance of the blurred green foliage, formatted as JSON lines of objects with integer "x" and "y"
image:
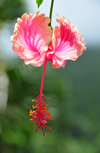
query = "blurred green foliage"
{"x": 74, "y": 103}
{"x": 11, "y": 9}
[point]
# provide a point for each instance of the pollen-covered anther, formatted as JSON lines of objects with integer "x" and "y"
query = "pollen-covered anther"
{"x": 33, "y": 106}
{"x": 48, "y": 112}
{"x": 45, "y": 96}
{"x": 31, "y": 120}
{"x": 31, "y": 112}
{"x": 33, "y": 100}
{"x": 50, "y": 118}
{"x": 45, "y": 108}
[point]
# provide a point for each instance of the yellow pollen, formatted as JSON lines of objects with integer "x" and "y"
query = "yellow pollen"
{"x": 47, "y": 105}
{"x": 33, "y": 106}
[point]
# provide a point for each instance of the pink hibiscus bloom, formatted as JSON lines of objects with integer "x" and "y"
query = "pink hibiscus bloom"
{"x": 34, "y": 42}
{"x": 32, "y": 36}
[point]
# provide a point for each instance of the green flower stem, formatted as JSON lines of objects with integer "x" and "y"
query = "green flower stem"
{"x": 51, "y": 9}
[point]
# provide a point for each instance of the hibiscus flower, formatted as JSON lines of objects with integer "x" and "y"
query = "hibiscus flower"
{"x": 34, "y": 41}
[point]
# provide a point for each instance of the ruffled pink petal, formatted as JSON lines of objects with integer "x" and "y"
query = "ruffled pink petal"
{"x": 57, "y": 62}
{"x": 37, "y": 61}
{"x": 67, "y": 43}
{"x": 31, "y": 38}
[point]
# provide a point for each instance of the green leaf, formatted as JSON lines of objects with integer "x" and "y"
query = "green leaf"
{"x": 39, "y": 2}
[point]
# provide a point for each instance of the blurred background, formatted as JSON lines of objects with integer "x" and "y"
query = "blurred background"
{"x": 74, "y": 90}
